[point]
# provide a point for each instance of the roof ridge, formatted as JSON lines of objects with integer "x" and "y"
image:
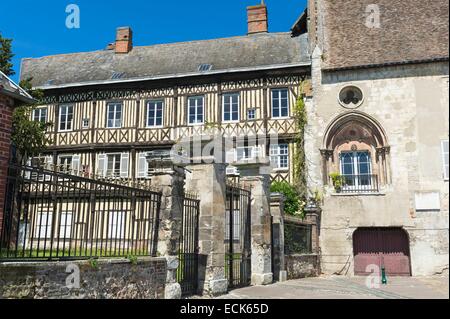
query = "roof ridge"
{"x": 165, "y": 44}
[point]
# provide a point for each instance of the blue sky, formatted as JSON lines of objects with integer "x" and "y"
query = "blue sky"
{"x": 38, "y": 27}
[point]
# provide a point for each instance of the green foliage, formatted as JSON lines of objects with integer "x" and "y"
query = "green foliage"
{"x": 294, "y": 204}
{"x": 5, "y": 56}
{"x": 338, "y": 181}
{"x": 133, "y": 259}
{"x": 94, "y": 263}
{"x": 29, "y": 137}
{"x": 301, "y": 121}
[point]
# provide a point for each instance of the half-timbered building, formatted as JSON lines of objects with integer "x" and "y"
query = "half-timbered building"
{"x": 110, "y": 107}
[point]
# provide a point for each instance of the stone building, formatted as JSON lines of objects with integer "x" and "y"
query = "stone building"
{"x": 11, "y": 95}
{"x": 377, "y": 138}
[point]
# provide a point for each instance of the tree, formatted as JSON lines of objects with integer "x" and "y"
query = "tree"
{"x": 5, "y": 56}
{"x": 28, "y": 136}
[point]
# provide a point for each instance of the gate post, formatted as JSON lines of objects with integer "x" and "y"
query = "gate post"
{"x": 277, "y": 210}
{"x": 255, "y": 176}
{"x": 207, "y": 177}
{"x": 171, "y": 184}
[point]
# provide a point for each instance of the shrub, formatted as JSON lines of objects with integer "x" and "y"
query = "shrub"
{"x": 294, "y": 205}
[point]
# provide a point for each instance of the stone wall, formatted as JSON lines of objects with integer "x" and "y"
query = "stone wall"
{"x": 302, "y": 266}
{"x": 411, "y": 105}
{"x": 107, "y": 279}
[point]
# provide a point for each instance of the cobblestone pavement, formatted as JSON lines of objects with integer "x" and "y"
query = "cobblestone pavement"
{"x": 335, "y": 287}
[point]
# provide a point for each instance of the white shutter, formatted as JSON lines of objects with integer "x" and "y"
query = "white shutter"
{"x": 142, "y": 171}
{"x": 48, "y": 166}
{"x": 230, "y": 156}
{"x": 76, "y": 164}
{"x": 101, "y": 164}
{"x": 124, "y": 163}
{"x": 27, "y": 174}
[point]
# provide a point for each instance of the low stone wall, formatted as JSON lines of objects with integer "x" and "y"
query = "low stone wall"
{"x": 102, "y": 279}
{"x": 302, "y": 266}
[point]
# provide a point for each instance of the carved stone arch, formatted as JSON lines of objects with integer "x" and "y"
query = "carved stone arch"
{"x": 356, "y": 130}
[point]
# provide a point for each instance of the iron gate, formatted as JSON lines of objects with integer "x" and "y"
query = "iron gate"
{"x": 238, "y": 237}
{"x": 187, "y": 274}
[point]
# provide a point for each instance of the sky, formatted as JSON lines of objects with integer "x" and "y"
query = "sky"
{"x": 38, "y": 28}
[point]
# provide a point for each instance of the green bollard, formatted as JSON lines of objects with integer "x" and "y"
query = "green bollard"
{"x": 383, "y": 276}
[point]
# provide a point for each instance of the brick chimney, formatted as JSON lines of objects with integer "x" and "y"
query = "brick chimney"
{"x": 124, "y": 40}
{"x": 257, "y": 19}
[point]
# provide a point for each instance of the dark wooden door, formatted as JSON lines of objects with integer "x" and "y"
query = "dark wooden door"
{"x": 388, "y": 247}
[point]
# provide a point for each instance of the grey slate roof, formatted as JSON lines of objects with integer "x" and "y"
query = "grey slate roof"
{"x": 11, "y": 89}
{"x": 167, "y": 60}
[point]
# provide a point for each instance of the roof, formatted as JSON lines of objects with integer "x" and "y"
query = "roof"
{"x": 235, "y": 54}
{"x": 410, "y": 31}
{"x": 10, "y": 88}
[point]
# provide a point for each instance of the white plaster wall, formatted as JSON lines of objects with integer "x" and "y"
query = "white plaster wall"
{"x": 411, "y": 104}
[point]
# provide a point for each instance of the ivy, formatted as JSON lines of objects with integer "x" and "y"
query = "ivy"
{"x": 299, "y": 156}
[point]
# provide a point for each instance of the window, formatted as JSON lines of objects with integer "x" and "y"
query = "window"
{"x": 196, "y": 110}
{"x": 251, "y": 114}
{"x": 85, "y": 123}
{"x": 280, "y": 103}
{"x": 155, "y": 113}
{"x": 65, "y": 118}
{"x": 40, "y": 115}
{"x": 279, "y": 156}
{"x": 236, "y": 225}
{"x": 43, "y": 228}
{"x": 356, "y": 168}
{"x": 65, "y": 164}
{"x": 351, "y": 97}
{"x": 116, "y": 225}
{"x": 445, "y": 159}
{"x": 231, "y": 107}
{"x": 65, "y": 225}
{"x": 113, "y": 165}
{"x": 69, "y": 164}
{"x": 114, "y": 115}
{"x": 247, "y": 153}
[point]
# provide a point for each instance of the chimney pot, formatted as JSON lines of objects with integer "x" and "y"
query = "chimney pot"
{"x": 124, "y": 40}
{"x": 257, "y": 19}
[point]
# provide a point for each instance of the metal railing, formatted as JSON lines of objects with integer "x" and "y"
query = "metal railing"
{"x": 353, "y": 184}
{"x": 51, "y": 215}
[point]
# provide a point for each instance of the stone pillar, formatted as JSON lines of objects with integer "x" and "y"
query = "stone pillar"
{"x": 254, "y": 176}
{"x": 209, "y": 181}
{"x": 312, "y": 216}
{"x": 6, "y": 109}
{"x": 171, "y": 184}
{"x": 277, "y": 210}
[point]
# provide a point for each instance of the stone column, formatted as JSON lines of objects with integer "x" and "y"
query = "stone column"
{"x": 312, "y": 216}
{"x": 256, "y": 177}
{"x": 277, "y": 210}
{"x": 209, "y": 181}
{"x": 171, "y": 184}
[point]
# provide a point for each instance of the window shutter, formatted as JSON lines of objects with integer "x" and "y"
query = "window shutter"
{"x": 142, "y": 171}
{"x": 27, "y": 174}
{"x": 230, "y": 156}
{"x": 124, "y": 163}
{"x": 48, "y": 166}
{"x": 101, "y": 165}
{"x": 76, "y": 164}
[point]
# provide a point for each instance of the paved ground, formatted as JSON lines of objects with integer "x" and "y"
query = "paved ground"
{"x": 348, "y": 288}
